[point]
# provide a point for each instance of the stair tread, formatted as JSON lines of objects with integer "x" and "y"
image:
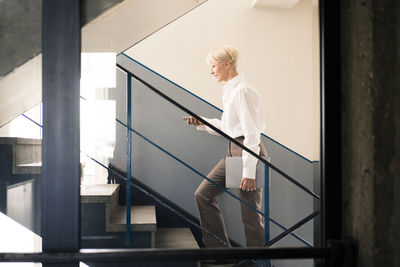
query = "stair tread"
{"x": 33, "y": 164}
{"x": 98, "y": 193}
{"x": 175, "y": 238}
{"x": 29, "y": 168}
{"x": 143, "y": 218}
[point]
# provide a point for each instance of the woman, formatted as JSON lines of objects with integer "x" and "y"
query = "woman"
{"x": 243, "y": 120}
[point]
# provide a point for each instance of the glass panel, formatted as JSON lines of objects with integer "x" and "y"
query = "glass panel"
{"x": 97, "y": 139}
{"x": 97, "y": 115}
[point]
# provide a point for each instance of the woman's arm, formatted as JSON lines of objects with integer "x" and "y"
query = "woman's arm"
{"x": 200, "y": 126}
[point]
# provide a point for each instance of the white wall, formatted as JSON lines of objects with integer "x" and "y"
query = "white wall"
{"x": 277, "y": 56}
{"x": 22, "y": 127}
{"x": 129, "y": 22}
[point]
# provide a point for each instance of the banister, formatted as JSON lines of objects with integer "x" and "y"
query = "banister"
{"x": 276, "y": 239}
{"x": 186, "y": 110}
{"x": 270, "y": 243}
{"x": 221, "y": 188}
{"x": 128, "y": 160}
{"x": 279, "y": 237}
{"x": 161, "y": 202}
{"x": 208, "y": 103}
{"x": 140, "y": 255}
{"x": 147, "y": 193}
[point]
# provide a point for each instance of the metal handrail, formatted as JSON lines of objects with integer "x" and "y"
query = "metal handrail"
{"x": 283, "y": 234}
{"x": 188, "y": 111}
{"x": 137, "y": 187}
{"x": 286, "y": 232}
{"x": 142, "y": 255}
{"x": 206, "y": 102}
{"x": 147, "y": 193}
{"x": 128, "y": 162}
{"x": 271, "y": 242}
{"x": 128, "y": 181}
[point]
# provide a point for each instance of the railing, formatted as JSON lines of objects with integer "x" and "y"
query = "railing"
{"x": 265, "y": 214}
{"x": 128, "y": 160}
{"x": 226, "y": 136}
{"x": 270, "y": 243}
{"x": 186, "y": 110}
{"x": 146, "y": 255}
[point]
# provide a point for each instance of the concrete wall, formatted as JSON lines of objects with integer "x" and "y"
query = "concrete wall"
{"x": 161, "y": 122}
{"x": 371, "y": 129}
{"x": 21, "y": 32}
{"x": 114, "y": 31}
{"x": 279, "y": 56}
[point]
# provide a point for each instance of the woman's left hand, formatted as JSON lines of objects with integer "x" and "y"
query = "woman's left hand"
{"x": 248, "y": 184}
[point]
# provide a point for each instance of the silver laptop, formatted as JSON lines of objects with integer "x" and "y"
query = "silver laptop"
{"x": 234, "y": 170}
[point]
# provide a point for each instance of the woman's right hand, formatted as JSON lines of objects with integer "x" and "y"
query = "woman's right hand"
{"x": 192, "y": 121}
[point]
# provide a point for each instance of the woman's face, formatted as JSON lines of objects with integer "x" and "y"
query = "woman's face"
{"x": 220, "y": 70}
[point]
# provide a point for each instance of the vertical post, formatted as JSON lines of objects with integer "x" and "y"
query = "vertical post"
{"x": 6, "y": 155}
{"x": 266, "y": 210}
{"x": 3, "y": 195}
{"x": 61, "y": 48}
{"x": 128, "y": 158}
{"x": 331, "y": 130}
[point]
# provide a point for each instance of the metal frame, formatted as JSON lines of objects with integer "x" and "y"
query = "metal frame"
{"x": 128, "y": 159}
{"x": 331, "y": 193}
{"x": 151, "y": 255}
{"x": 60, "y": 183}
{"x": 61, "y": 48}
{"x": 223, "y": 134}
{"x": 266, "y": 210}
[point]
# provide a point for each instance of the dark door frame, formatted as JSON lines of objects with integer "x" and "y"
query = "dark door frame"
{"x": 331, "y": 192}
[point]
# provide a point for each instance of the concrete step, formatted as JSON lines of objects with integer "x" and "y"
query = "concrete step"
{"x": 26, "y": 154}
{"x": 175, "y": 238}
{"x": 99, "y": 193}
{"x": 103, "y": 221}
{"x": 106, "y": 194}
{"x": 28, "y": 168}
{"x": 143, "y": 218}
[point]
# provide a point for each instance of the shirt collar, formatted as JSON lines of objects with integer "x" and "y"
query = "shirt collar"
{"x": 235, "y": 80}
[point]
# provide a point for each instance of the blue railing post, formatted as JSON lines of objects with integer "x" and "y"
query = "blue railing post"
{"x": 266, "y": 210}
{"x": 128, "y": 158}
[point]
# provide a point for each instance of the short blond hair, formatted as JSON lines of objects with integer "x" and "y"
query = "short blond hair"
{"x": 223, "y": 53}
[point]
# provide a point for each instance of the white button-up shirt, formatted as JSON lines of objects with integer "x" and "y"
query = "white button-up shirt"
{"x": 243, "y": 116}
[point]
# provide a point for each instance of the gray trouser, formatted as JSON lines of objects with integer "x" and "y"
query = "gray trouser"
{"x": 210, "y": 216}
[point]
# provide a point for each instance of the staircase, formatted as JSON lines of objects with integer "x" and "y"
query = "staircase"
{"x": 103, "y": 219}
{"x": 103, "y": 224}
